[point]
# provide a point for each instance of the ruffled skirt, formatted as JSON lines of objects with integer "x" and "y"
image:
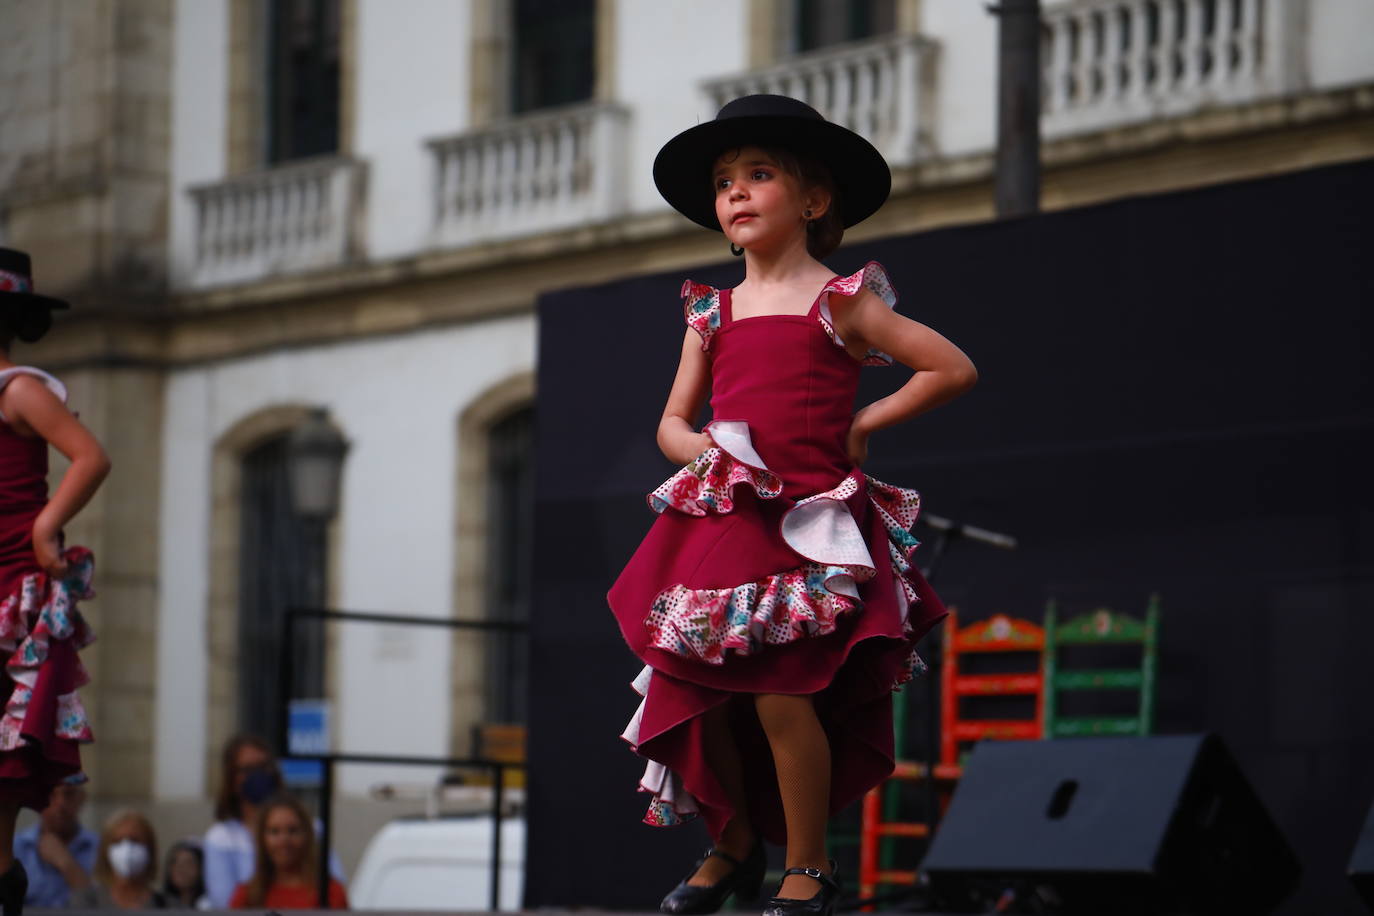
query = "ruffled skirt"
{"x": 43, "y": 723}
{"x": 736, "y": 592}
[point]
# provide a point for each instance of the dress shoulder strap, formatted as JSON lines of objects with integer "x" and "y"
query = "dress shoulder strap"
{"x": 52, "y": 382}
{"x": 701, "y": 309}
{"x": 872, "y": 277}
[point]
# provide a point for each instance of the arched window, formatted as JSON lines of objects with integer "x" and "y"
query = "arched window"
{"x": 280, "y": 555}
{"x": 509, "y": 549}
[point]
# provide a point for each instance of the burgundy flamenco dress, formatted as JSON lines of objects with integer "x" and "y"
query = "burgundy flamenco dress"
{"x": 43, "y": 723}
{"x": 775, "y": 566}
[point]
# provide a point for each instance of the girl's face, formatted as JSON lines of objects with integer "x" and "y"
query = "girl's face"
{"x": 284, "y": 837}
{"x": 758, "y": 204}
{"x": 184, "y": 869}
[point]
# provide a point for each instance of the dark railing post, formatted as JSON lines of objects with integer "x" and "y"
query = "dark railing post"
{"x": 286, "y": 681}
{"x": 326, "y": 827}
{"x": 498, "y": 785}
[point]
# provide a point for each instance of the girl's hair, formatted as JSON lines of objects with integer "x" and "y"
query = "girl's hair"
{"x": 198, "y": 889}
{"x": 227, "y": 804}
{"x": 102, "y": 859}
{"x": 823, "y": 234}
{"x": 24, "y": 321}
{"x": 265, "y": 873}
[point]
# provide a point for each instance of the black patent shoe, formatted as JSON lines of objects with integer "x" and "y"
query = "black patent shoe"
{"x": 823, "y": 904}
{"x": 14, "y": 886}
{"x": 744, "y": 882}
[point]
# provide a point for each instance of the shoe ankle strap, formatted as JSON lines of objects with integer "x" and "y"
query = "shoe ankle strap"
{"x": 815, "y": 874}
{"x": 720, "y": 854}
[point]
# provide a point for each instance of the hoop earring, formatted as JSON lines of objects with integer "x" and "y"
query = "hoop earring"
{"x": 806, "y": 214}
{"x": 736, "y": 250}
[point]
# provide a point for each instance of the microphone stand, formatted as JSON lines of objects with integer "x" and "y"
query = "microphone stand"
{"x": 948, "y": 531}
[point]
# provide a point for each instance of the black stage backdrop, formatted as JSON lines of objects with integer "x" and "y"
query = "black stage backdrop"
{"x": 1175, "y": 396}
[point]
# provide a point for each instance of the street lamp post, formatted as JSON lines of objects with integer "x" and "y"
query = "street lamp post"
{"x": 315, "y": 453}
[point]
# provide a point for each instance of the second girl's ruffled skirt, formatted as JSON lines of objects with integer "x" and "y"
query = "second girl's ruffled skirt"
{"x": 43, "y": 722}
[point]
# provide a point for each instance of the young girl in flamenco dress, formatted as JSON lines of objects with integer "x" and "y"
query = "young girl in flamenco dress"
{"x": 774, "y": 602}
{"x": 41, "y": 630}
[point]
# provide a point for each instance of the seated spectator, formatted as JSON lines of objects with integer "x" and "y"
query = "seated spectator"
{"x": 125, "y": 866}
{"x": 57, "y": 852}
{"x": 287, "y": 863}
{"x": 183, "y": 877}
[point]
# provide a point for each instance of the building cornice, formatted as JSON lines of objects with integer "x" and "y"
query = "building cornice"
{"x": 501, "y": 279}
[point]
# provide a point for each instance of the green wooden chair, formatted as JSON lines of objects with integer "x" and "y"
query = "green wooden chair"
{"x": 1100, "y": 628}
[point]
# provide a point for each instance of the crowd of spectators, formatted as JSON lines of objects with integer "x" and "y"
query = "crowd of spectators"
{"x": 260, "y": 853}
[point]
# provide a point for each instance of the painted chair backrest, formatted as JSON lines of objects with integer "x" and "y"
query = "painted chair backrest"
{"x": 997, "y": 634}
{"x": 1101, "y": 627}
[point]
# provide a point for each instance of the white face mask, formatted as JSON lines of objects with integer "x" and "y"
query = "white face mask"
{"x": 128, "y": 858}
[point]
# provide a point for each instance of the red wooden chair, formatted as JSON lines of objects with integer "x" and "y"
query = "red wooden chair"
{"x": 999, "y": 634}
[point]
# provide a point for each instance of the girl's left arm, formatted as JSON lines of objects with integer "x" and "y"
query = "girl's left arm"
{"x": 942, "y": 371}
{"x": 34, "y": 408}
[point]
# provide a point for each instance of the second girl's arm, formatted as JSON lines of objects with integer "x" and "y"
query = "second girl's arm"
{"x": 942, "y": 371}
{"x": 677, "y": 435}
{"x": 33, "y": 408}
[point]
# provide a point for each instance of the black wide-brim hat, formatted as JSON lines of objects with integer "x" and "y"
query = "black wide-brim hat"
{"x": 16, "y": 283}
{"x": 682, "y": 169}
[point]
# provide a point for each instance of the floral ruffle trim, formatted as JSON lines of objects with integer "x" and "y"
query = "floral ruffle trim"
{"x": 873, "y": 277}
{"x": 701, "y": 308}
{"x": 707, "y": 483}
{"x": 782, "y": 608}
{"x": 672, "y": 804}
{"x": 51, "y": 605}
{"x": 898, "y": 507}
{"x": 807, "y": 601}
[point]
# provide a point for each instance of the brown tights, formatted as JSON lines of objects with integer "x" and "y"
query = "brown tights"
{"x": 801, "y": 757}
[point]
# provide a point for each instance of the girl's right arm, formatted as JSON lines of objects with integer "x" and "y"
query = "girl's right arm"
{"x": 32, "y": 408}
{"x": 677, "y": 435}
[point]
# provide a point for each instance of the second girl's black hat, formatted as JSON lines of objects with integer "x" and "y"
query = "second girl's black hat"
{"x": 682, "y": 170}
{"x": 16, "y": 282}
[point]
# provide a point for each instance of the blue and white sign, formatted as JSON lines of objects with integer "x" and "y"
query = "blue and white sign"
{"x": 307, "y": 732}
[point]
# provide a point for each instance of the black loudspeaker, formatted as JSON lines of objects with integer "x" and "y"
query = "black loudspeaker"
{"x": 1362, "y": 862}
{"x": 1109, "y": 825}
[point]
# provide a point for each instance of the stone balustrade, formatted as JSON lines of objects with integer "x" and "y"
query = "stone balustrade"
{"x": 1108, "y": 63}
{"x": 292, "y": 218}
{"x": 879, "y": 88}
{"x": 535, "y": 173}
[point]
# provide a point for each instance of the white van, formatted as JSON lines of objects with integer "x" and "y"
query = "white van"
{"x": 440, "y": 863}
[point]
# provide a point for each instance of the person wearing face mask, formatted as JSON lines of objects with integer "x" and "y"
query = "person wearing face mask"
{"x": 250, "y": 777}
{"x": 125, "y": 866}
{"x": 57, "y": 853}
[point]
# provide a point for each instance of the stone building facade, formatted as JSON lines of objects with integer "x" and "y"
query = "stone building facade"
{"x": 265, "y": 206}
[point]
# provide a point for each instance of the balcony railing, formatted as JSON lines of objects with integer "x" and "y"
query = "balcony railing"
{"x": 879, "y": 88}
{"x": 1113, "y": 62}
{"x": 296, "y": 217}
{"x": 541, "y": 172}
